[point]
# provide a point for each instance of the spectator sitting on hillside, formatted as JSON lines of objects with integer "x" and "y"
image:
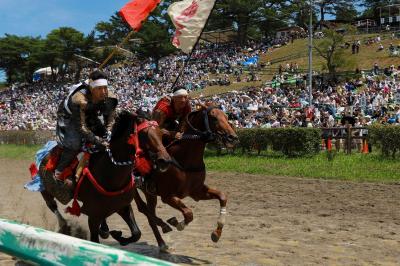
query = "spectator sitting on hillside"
{"x": 375, "y": 70}
{"x": 391, "y": 47}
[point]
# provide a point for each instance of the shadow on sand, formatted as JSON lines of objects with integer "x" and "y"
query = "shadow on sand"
{"x": 143, "y": 248}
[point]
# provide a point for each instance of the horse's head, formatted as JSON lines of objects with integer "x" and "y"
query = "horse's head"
{"x": 213, "y": 124}
{"x": 145, "y": 136}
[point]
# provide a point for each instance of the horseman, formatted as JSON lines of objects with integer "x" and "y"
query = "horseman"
{"x": 169, "y": 112}
{"x": 86, "y": 115}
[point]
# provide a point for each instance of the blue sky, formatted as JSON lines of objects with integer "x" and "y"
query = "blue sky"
{"x": 38, "y": 18}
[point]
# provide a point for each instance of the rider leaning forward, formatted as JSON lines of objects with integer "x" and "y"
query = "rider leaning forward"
{"x": 86, "y": 115}
{"x": 169, "y": 110}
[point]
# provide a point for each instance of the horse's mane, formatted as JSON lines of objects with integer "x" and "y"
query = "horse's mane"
{"x": 202, "y": 107}
{"x": 123, "y": 122}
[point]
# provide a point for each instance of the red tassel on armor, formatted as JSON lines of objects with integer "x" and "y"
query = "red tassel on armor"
{"x": 33, "y": 169}
{"x": 53, "y": 160}
{"x": 75, "y": 209}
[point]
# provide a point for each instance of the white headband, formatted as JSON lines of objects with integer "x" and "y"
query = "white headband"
{"x": 98, "y": 83}
{"x": 181, "y": 92}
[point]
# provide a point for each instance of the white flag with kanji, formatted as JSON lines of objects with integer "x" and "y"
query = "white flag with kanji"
{"x": 189, "y": 18}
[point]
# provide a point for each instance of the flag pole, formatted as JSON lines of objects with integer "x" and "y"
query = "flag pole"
{"x": 116, "y": 49}
{"x": 191, "y": 52}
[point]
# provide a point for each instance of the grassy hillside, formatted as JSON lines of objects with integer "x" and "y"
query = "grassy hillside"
{"x": 364, "y": 60}
{"x": 297, "y": 52}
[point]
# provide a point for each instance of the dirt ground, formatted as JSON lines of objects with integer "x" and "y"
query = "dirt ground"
{"x": 271, "y": 221}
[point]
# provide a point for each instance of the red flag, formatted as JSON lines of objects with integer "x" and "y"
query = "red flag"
{"x": 137, "y": 11}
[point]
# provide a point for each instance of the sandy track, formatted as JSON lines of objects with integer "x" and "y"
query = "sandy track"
{"x": 271, "y": 221}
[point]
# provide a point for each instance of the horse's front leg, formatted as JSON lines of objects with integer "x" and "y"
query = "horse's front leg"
{"x": 151, "y": 207}
{"x": 207, "y": 193}
{"x": 104, "y": 231}
{"x": 94, "y": 224}
{"x": 187, "y": 213}
{"x": 149, "y": 211}
{"x": 127, "y": 214}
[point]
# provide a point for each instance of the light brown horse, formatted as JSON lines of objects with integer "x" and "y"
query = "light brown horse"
{"x": 112, "y": 169}
{"x": 201, "y": 127}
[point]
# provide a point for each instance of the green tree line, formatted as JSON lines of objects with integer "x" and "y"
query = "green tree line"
{"x": 62, "y": 48}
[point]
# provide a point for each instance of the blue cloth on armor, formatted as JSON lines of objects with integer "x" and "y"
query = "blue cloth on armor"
{"x": 36, "y": 184}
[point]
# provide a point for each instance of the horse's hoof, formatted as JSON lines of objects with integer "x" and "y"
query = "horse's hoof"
{"x": 215, "y": 237}
{"x": 104, "y": 234}
{"x": 65, "y": 230}
{"x": 181, "y": 226}
{"x": 164, "y": 248}
{"x": 124, "y": 242}
{"x": 135, "y": 237}
{"x": 173, "y": 221}
{"x": 166, "y": 229}
{"x": 116, "y": 234}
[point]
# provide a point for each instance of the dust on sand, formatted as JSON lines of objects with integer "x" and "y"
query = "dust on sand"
{"x": 271, "y": 221}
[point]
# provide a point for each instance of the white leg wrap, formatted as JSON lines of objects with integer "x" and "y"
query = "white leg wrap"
{"x": 221, "y": 218}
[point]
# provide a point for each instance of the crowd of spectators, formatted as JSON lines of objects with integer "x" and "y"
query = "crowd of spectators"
{"x": 369, "y": 98}
{"x": 365, "y": 100}
{"x": 138, "y": 85}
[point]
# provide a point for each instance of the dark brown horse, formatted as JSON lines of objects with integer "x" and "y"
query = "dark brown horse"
{"x": 112, "y": 170}
{"x": 206, "y": 125}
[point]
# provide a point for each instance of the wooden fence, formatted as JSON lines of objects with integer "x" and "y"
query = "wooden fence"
{"x": 351, "y": 136}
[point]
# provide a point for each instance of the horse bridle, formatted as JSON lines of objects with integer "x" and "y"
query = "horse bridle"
{"x": 207, "y": 135}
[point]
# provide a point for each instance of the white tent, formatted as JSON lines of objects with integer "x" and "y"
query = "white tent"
{"x": 44, "y": 71}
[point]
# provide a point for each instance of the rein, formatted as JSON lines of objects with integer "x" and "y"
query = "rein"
{"x": 75, "y": 209}
{"x": 125, "y": 163}
{"x": 206, "y": 136}
{"x": 134, "y": 140}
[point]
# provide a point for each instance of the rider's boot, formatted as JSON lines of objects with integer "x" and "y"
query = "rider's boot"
{"x": 66, "y": 158}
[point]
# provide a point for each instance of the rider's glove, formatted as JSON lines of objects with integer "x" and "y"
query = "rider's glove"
{"x": 178, "y": 135}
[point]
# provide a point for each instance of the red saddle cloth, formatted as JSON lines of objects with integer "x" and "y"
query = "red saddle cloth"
{"x": 53, "y": 160}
